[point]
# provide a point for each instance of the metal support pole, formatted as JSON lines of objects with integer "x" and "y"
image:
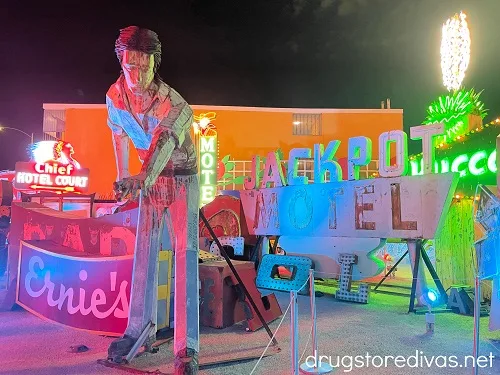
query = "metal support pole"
{"x": 316, "y": 368}
{"x": 419, "y": 283}
{"x": 390, "y": 271}
{"x": 294, "y": 332}
{"x": 477, "y": 315}
{"x": 314, "y": 338}
{"x": 275, "y": 245}
{"x": 235, "y": 273}
{"x": 443, "y": 296}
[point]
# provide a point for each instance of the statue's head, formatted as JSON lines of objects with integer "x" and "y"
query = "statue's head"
{"x": 139, "y": 53}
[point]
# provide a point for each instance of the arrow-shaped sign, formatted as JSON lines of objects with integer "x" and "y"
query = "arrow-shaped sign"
{"x": 67, "y": 188}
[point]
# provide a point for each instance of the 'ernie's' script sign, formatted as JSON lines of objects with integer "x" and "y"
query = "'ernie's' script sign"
{"x": 81, "y": 292}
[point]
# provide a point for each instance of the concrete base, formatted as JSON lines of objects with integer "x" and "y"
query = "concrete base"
{"x": 322, "y": 368}
{"x": 24, "y": 349}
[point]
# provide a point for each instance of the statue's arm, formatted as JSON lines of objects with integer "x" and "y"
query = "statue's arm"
{"x": 121, "y": 148}
{"x": 170, "y": 134}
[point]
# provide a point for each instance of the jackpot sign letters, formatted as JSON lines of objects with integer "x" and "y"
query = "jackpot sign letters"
{"x": 397, "y": 206}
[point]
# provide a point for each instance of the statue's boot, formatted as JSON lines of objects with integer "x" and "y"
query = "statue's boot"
{"x": 187, "y": 364}
{"x": 121, "y": 347}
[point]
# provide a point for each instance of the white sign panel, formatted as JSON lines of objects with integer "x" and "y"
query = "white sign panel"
{"x": 401, "y": 207}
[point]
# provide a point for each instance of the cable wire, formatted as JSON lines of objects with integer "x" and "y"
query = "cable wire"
{"x": 279, "y": 325}
{"x": 307, "y": 343}
{"x": 270, "y": 341}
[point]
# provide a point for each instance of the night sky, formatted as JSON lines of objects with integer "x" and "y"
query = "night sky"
{"x": 276, "y": 53}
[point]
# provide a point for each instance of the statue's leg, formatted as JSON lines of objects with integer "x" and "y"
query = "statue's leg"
{"x": 183, "y": 224}
{"x": 144, "y": 288}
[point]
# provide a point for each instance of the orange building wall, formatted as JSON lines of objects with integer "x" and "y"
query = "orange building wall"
{"x": 245, "y": 134}
{"x": 87, "y": 131}
{"x": 242, "y": 134}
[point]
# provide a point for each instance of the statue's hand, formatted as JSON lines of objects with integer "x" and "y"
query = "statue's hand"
{"x": 129, "y": 186}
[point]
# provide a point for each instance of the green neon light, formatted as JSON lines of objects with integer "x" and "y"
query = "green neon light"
{"x": 418, "y": 167}
{"x": 445, "y": 166}
{"x": 459, "y": 160}
{"x": 474, "y": 160}
{"x": 492, "y": 162}
{"x": 479, "y": 163}
{"x": 452, "y": 110}
{"x": 414, "y": 167}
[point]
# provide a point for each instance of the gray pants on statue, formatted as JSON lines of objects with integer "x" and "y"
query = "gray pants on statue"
{"x": 176, "y": 200}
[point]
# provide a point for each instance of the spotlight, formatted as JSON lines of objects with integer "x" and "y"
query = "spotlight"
{"x": 430, "y": 298}
{"x": 432, "y": 295}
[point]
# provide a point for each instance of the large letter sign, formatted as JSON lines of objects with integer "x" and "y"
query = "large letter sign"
{"x": 318, "y": 218}
{"x": 397, "y": 206}
{"x": 360, "y": 154}
{"x": 426, "y": 134}
{"x": 398, "y": 137}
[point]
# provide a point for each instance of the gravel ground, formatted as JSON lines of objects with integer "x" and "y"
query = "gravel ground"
{"x": 29, "y": 345}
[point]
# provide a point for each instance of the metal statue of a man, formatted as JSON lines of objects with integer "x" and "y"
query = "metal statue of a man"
{"x": 144, "y": 109}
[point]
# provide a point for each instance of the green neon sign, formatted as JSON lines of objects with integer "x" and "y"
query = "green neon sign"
{"x": 479, "y": 163}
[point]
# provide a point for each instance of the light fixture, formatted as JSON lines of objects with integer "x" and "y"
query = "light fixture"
{"x": 430, "y": 298}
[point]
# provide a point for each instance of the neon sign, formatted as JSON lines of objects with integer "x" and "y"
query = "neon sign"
{"x": 59, "y": 151}
{"x": 359, "y": 155}
{"x": 208, "y": 168}
{"x": 207, "y": 143}
{"x": 203, "y": 123}
{"x": 50, "y": 176}
{"x": 475, "y": 164}
{"x": 52, "y": 169}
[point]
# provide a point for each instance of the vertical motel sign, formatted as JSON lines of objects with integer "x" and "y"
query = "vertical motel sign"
{"x": 207, "y": 143}
{"x": 208, "y": 168}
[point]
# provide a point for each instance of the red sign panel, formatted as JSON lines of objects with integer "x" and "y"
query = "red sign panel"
{"x": 51, "y": 176}
{"x": 92, "y": 294}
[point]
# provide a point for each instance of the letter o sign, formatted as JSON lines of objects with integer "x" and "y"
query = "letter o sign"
{"x": 207, "y": 160}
